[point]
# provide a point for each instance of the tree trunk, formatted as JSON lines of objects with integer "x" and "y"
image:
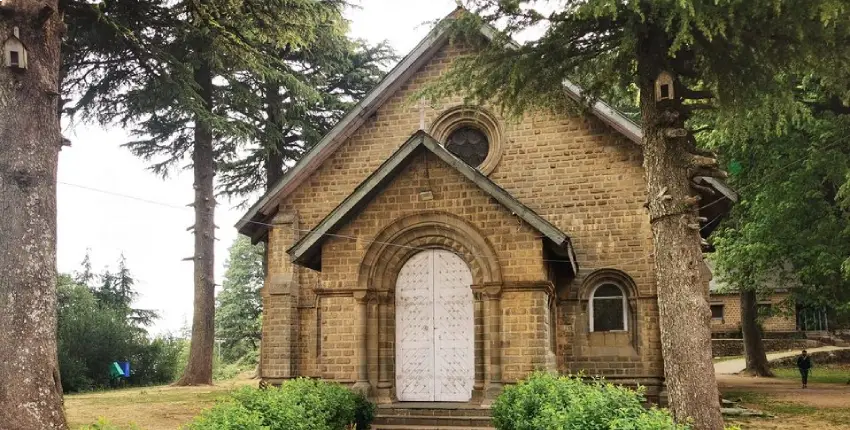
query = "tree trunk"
{"x": 274, "y": 138}
{"x": 30, "y": 139}
{"x": 199, "y": 369}
{"x": 756, "y": 357}
{"x": 684, "y": 314}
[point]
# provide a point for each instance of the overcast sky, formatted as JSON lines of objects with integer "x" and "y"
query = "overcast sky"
{"x": 109, "y": 203}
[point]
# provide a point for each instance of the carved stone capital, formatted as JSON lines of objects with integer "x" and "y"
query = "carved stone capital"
{"x": 362, "y": 296}
{"x": 489, "y": 291}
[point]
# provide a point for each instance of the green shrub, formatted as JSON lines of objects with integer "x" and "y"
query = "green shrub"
{"x": 300, "y": 404}
{"x": 227, "y": 416}
{"x": 545, "y": 401}
{"x": 91, "y": 336}
{"x": 364, "y": 412}
{"x": 158, "y": 361}
{"x": 223, "y": 372}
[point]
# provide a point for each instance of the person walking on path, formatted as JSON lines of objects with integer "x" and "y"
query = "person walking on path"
{"x": 804, "y": 363}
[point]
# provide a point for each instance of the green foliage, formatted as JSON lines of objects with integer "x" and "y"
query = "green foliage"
{"x": 96, "y": 326}
{"x": 238, "y": 305}
{"x": 300, "y": 404}
{"x": 545, "y": 401}
{"x": 792, "y": 224}
{"x": 321, "y": 84}
{"x": 364, "y": 412}
{"x": 90, "y": 337}
{"x": 223, "y": 370}
{"x": 826, "y": 374}
{"x": 159, "y": 361}
{"x": 229, "y": 416}
{"x": 608, "y": 45}
{"x": 136, "y": 63}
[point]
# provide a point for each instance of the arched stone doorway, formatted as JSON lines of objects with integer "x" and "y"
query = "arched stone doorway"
{"x": 383, "y": 261}
{"x": 435, "y": 328}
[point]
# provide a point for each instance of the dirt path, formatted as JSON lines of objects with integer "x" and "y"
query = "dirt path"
{"x": 737, "y": 365}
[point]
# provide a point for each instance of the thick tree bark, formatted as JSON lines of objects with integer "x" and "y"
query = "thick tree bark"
{"x": 199, "y": 369}
{"x": 757, "y": 364}
{"x": 30, "y": 139}
{"x": 684, "y": 314}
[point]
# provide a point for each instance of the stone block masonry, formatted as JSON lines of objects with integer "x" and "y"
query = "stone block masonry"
{"x": 573, "y": 171}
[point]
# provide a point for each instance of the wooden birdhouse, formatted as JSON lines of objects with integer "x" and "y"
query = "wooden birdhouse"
{"x": 664, "y": 87}
{"x": 14, "y": 52}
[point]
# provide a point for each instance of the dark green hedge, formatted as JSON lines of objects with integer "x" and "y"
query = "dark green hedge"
{"x": 300, "y": 404}
{"x": 545, "y": 402}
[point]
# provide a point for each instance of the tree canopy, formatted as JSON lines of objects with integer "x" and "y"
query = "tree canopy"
{"x": 215, "y": 85}
{"x": 793, "y": 222}
{"x": 98, "y": 325}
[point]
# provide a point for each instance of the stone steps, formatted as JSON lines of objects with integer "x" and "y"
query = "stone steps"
{"x": 436, "y": 417}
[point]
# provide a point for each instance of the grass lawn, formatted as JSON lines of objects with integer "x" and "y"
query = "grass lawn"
{"x": 149, "y": 408}
{"x": 788, "y": 412}
{"x": 827, "y": 374}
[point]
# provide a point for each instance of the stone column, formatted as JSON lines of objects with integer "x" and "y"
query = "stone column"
{"x": 278, "y": 355}
{"x": 362, "y": 385}
{"x": 383, "y": 340}
{"x": 492, "y": 343}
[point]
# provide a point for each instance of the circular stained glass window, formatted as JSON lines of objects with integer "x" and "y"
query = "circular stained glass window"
{"x": 469, "y": 144}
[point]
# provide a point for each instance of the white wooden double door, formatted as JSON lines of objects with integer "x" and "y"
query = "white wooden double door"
{"x": 435, "y": 329}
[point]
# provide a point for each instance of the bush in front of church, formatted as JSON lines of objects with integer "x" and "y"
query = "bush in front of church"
{"x": 299, "y": 404}
{"x": 546, "y": 401}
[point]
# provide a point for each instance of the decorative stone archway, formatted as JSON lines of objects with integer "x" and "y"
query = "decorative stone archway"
{"x": 378, "y": 273}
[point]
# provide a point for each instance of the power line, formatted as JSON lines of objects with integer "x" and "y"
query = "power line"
{"x": 354, "y": 238}
{"x": 126, "y": 196}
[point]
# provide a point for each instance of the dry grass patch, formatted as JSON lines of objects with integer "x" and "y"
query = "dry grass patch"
{"x": 821, "y": 406}
{"x": 149, "y": 408}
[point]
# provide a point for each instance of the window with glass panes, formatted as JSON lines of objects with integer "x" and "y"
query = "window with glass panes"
{"x": 608, "y": 309}
{"x": 717, "y": 312}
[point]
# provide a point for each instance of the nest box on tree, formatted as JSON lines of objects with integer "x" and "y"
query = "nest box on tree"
{"x": 664, "y": 87}
{"x": 14, "y": 52}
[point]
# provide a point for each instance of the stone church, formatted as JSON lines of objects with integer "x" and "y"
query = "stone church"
{"x": 434, "y": 253}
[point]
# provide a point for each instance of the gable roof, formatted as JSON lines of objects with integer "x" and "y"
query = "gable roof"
{"x": 781, "y": 280}
{"x": 253, "y": 222}
{"x": 307, "y": 251}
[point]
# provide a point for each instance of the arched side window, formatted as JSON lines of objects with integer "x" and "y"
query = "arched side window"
{"x": 608, "y": 308}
